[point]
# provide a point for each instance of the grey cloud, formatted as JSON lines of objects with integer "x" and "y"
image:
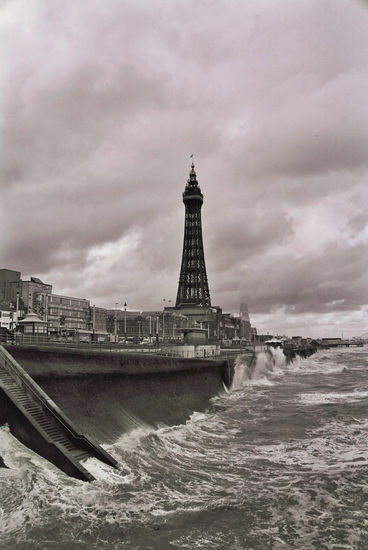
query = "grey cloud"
{"x": 101, "y": 106}
{"x": 335, "y": 280}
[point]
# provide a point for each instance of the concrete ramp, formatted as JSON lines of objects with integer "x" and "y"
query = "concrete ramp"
{"x": 39, "y": 423}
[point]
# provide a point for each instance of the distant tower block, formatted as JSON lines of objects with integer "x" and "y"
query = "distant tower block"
{"x": 193, "y": 284}
{"x": 244, "y": 313}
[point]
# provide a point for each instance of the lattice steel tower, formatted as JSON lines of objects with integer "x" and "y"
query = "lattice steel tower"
{"x": 193, "y": 284}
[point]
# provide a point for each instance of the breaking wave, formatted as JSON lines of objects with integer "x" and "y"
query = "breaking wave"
{"x": 259, "y": 370}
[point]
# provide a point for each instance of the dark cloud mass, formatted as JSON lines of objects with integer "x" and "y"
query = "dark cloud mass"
{"x": 103, "y": 102}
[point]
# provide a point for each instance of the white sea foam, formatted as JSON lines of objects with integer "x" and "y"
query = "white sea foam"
{"x": 326, "y": 362}
{"x": 320, "y": 398}
{"x": 279, "y": 359}
{"x": 331, "y": 447}
{"x": 258, "y": 371}
{"x": 104, "y": 472}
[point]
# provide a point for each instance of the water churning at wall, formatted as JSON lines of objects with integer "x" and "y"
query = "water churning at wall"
{"x": 258, "y": 369}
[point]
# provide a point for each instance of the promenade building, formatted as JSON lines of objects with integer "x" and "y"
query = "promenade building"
{"x": 10, "y": 284}
{"x": 8, "y": 316}
{"x": 98, "y": 317}
{"x": 67, "y": 314}
{"x": 164, "y": 324}
{"x": 136, "y": 325}
{"x": 119, "y": 323}
{"x": 245, "y": 325}
{"x": 34, "y": 295}
{"x": 61, "y": 313}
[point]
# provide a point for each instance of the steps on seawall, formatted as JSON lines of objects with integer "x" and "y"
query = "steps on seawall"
{"x": 33, "y": 412}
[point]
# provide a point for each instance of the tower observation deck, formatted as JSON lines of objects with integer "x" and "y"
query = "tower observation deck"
{"x": 193, "y": 285}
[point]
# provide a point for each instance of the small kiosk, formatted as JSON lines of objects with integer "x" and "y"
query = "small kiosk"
{"x": 33, "y": 325}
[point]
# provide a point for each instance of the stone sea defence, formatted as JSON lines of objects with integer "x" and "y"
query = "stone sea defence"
{"x": 106, "y": 394}
{"x": 43, "y": 362}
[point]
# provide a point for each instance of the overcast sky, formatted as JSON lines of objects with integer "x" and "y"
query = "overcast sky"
{"x": 102, "y": 103}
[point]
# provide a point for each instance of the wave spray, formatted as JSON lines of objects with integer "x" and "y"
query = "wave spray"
{"x": 258, "y": 368}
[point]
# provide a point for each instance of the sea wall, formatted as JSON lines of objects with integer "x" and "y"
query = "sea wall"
{"x": 107, "y": 394}
{"x": 42, "y": 361}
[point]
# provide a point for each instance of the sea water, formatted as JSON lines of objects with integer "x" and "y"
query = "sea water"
{"x": 278, "y": 462}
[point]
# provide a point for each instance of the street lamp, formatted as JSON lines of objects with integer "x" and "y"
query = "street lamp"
{"x": 46, "y": 307}
{"x": 125, "y": 332}
{"x": 116, "y": 322}
{"x": 17, "y": 308}
{"x": 93, "y": 321}
{"x": 150, "y": 327}
{"x": 163, "y": 320}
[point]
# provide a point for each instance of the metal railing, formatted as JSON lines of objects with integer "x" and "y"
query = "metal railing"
{"x": 164, "y": 348}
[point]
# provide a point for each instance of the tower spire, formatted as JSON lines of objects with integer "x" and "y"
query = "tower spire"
{"x": 193, "y": 284}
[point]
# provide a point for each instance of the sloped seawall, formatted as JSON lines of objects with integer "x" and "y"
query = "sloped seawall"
{"x": 108, "y": 393}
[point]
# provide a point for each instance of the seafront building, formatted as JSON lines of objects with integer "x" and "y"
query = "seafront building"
{"x": 8, "y": 317}
{"x": 75, "y": 318}
{"x": 67, "y": 313}
{"x": 61, "y": 313}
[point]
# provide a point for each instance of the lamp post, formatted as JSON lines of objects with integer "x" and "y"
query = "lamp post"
{"x": 93, "y": 322}
{"x": 17, "y": 309}
{"x": 125, "y": 332}
{"x": 46, "y": 307}
{"x": 116, "y": 322}
{"x": 150, "y": 327}
{"x": 163, "y": 320}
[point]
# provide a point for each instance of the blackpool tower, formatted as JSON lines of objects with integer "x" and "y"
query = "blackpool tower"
{"x": 193, "y": 285}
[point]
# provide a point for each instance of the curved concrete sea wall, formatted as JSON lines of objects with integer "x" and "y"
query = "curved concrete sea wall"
{"x": 108, "y": 393}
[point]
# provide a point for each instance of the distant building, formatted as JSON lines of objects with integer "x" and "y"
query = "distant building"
{"x": 70, "y": 316}
{"x": 264, "y": 337}
{"x": 66, "y": 313}
{"x": 330, "y": 342}
{"x": 61, "y": 313}
{"x": 245, "y": 326}
{"x": 142, "y": 324}
{"x": 99, "y": 319}
{"x": 33, "y": 294}
{"x": 8, "y": 316}
{"x": 244, "y": 312}
{"x": 10, "y": 284}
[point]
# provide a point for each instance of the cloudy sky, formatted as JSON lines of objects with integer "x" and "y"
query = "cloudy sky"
{"x": 102, "y": 103}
